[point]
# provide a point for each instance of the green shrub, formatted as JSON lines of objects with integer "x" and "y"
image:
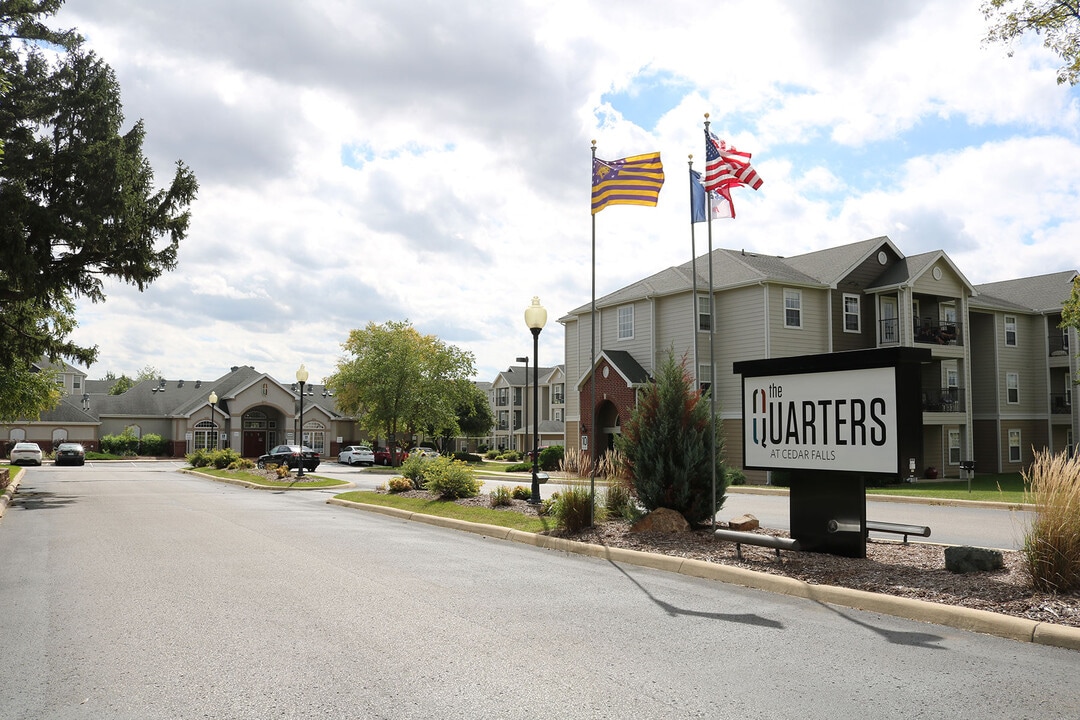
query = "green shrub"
{"x": 152, "y": 444}
{"x": 413, "y": 469}
{"x": 551, "y": 457}
{"x": 467, "y": 457}
{"x": 491, "y": 455}
{"x": 501, "y": 496}
{"x": 199, "y": 458}
{"x": 734, "y": 476}
{"x": 547, "y": 505}
{"x": 242, "y": 464}
{"x": 510, "y": 456}
{"x": 1052, "y": 542}
{"x": 520, "y": 492}
{"x": 399, "y": 484}
{"x": 519, "y": 467}
{"x": 450, "y": 479}
{"x": 222, "y": 459}
{"x": 124, "y": 444}
{"x": 573, "y": 510}
{"x": 619, "y": 501}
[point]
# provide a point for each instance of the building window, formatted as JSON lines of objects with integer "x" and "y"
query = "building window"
{"x": 1010, "y": 330}
{"x": 502, "y": 397}
{"x": 704, "y": 313}
{"x": 314, "y": 436}
{"x": 1012, "y": 388}
{"x": 1014, "y": 446}
{"x": 557, "y": 394}
{"x": 504, "y": 420}
{"x": 556, "y": 414}
{"x": 206, "y": 435}
{"x": 517, "y": 395}
{"x": 954, "y": 447}
{"x": 517, "y": 419}
{"x": 852, "y": 322}
{"x": 77, "y": 382}
{"x": 626, "y": 322}
{"x": 704, "y": 377}
{"x": 793, "y": 308}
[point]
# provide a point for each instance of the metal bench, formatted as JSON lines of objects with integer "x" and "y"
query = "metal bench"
{"x": 898, "y": 529}
{"x": 749, "y": 538}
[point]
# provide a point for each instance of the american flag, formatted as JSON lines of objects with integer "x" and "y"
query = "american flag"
{"x": 726, "y": 167}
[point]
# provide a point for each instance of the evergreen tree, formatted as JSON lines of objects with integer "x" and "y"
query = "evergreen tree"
{"x": 668, "y": 446}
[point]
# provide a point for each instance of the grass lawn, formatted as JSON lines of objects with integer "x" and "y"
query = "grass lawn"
{"x": 308, "y": 481}
{"x": 450, "y": 509}
{"x": 1007, "y": 488}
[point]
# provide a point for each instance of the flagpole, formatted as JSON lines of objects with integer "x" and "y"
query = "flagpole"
{"x": 712, "y": 349}
{"x": 592, "y": 368}
{"x": 693, "y": 271}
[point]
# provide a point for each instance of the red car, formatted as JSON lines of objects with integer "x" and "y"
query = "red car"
{"x": 382, "y": 456}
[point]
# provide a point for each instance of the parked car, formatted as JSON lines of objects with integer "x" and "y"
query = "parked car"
{"x": 290, "y": 455}
{"x": 69, "y": 453}
{"x": 423, "y": 453}
{"x": 382, "y": 456}
{"x": 25, "y": 453}
{"x": 356, "y": 455}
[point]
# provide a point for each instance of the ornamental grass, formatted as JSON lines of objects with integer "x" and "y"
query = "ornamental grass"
{"x": 1052, "y": 542}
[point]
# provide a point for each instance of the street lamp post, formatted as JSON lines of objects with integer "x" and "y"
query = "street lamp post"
{"x": 535, "y": 317}
{"x": 213, "y": 417}
{"x": 525, "y": 409}
{"x": 301, "y": 377}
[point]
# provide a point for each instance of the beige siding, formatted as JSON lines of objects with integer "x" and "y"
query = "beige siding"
{"x": 640, "y": 346}
{"x": 676, "y": 319}
{"x": 810, "y": 339}
{"x": 950, "y": 284}
{"x": 984, "y": 372}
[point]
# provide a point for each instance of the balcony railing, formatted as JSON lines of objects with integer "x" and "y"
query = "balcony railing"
{"x": 947, "y": 399}
{"x": 946, "y": 333}
{"x": 1059, "y": 344}
{"x": 1060, "y": 404}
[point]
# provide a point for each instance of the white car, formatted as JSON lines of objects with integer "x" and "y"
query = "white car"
{"x": 423, "y": 453}
{"x": 356, "y": 455}
{"x": 25, "y": 453}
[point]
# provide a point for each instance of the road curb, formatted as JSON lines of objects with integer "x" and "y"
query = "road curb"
{"x": 968, "y": 619}
{"x": 9, "y": 491}
{"x": 873, "y": 497}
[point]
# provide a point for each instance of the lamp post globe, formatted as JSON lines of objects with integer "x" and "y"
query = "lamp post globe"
{"x": 535, "y": 318}
{"x": 302, "y": 378}
{"x": 213, "y": 417}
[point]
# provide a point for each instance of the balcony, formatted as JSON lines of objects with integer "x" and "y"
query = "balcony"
{"x": 939, "y": 333}
{"x": 943, "y": 400}
{"x": 1058, "y": 344}
{"x": 1060, "y": 404}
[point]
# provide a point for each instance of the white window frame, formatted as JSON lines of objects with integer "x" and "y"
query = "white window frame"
{"x": 625, "y": 322}
{"x": 557, "y": 396}
{"x": 556, "y": 414}
{"x": 1010, "y": 329}
{"x": 704, "y": 313}
{"x": 1015, "y": 446}
{"x": 954, "y": 447}
{"x": 205, "y": 435}
{"x": 704, "y": 377}
{"x": 1012, "y": 386}
{"x": 794, "y": 306}
{"x": 855, "y": 314}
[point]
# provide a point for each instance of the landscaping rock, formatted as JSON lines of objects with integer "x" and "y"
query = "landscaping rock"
{"x": 662, "y": 520}
{"x": 744, "y": 522}
{"x": 966, "y": 559}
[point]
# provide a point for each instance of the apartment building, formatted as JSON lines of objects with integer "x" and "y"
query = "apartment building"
{"x": 511, "y": 398}
{"x": 997, "y": 386}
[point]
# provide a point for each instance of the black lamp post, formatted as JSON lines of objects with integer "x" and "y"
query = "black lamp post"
{"x": 525, "y": 409}
{"x": 535, "y": 317}
{"x": 213, "y": 416}
{"x": 301, "y": 377}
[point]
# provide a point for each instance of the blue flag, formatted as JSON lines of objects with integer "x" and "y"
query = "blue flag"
{"x": 697, "y": 198}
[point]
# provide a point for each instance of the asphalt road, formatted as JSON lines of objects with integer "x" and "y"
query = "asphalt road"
{"x": 131, "y": 591}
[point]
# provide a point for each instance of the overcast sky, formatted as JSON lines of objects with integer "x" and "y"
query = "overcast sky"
{"x": 376, "y": 160}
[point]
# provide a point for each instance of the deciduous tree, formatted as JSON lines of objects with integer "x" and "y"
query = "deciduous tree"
{"x": 1057, "y": 22}
{"x": 395, "y": 380}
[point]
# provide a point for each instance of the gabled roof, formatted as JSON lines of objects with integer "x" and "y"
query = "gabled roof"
{"x": 1041, "y": 293}
{"x": 624, "y": 363}
{"x": 911, "y": 268}
{"x": 515, "y": 375}
{"x": 833, "y": 264}
{"x": 69, "y": 411}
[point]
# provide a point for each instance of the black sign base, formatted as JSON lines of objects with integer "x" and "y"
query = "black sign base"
{"x": 828, "y": 512}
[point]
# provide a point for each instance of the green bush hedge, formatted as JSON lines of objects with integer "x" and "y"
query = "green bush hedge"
{"x": 450, "y": 479}
{"x": 551, "y": 457}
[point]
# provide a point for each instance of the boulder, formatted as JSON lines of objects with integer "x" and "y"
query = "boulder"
{"x": 661, "y": 520}
{"x": 965, "y": 559}
{"x": 744, "y": 522}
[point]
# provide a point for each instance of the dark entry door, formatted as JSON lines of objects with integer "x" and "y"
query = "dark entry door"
{"x": 254, "y": 443}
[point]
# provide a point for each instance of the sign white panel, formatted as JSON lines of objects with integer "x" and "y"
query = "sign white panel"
{"x": 822, "y": 421}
